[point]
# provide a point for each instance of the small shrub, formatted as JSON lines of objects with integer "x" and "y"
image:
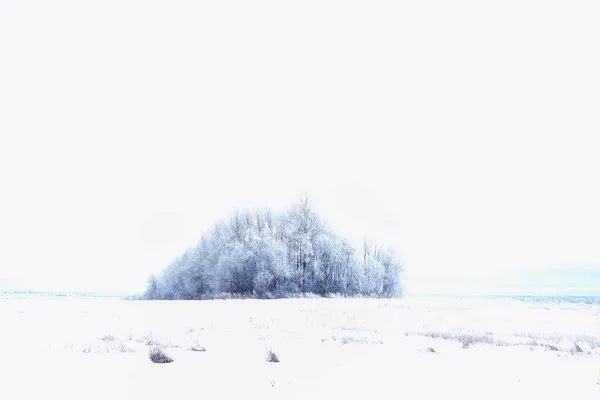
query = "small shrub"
{"x": 272, "y": 357}
{"x": 158, "y": 355}
{"x": 108, "y": 338}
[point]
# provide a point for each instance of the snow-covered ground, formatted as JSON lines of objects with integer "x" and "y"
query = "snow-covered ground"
{"x": 75, "y": 348}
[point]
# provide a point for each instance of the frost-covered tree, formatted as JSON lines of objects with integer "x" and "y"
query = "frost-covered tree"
{"x": 267, "y": 254}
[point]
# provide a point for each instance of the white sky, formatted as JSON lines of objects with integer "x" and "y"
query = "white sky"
{"x": 465, "y": 135}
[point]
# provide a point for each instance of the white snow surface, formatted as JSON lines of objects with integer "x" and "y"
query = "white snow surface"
{"x": 97, "y": 348}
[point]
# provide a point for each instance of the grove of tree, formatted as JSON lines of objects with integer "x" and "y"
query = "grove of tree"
{"x": 270, "y": 255}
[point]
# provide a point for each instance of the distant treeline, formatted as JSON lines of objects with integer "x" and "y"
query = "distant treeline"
{"x": 269, "y": 255}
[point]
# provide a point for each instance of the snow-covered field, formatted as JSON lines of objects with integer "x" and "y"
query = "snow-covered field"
{"x": 82, "y": 348}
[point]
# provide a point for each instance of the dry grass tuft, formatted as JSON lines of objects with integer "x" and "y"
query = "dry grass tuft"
{"x": 158, "y": 356}
{"x": 576, "y": 345}
{"x": 148, "y": 339}
{"x": 466, "y": 339}
{"x": 196, "y": 347}
{"x": 272, "y": 357}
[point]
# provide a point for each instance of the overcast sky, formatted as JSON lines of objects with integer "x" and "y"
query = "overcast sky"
{"x": 464, "y": 135}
